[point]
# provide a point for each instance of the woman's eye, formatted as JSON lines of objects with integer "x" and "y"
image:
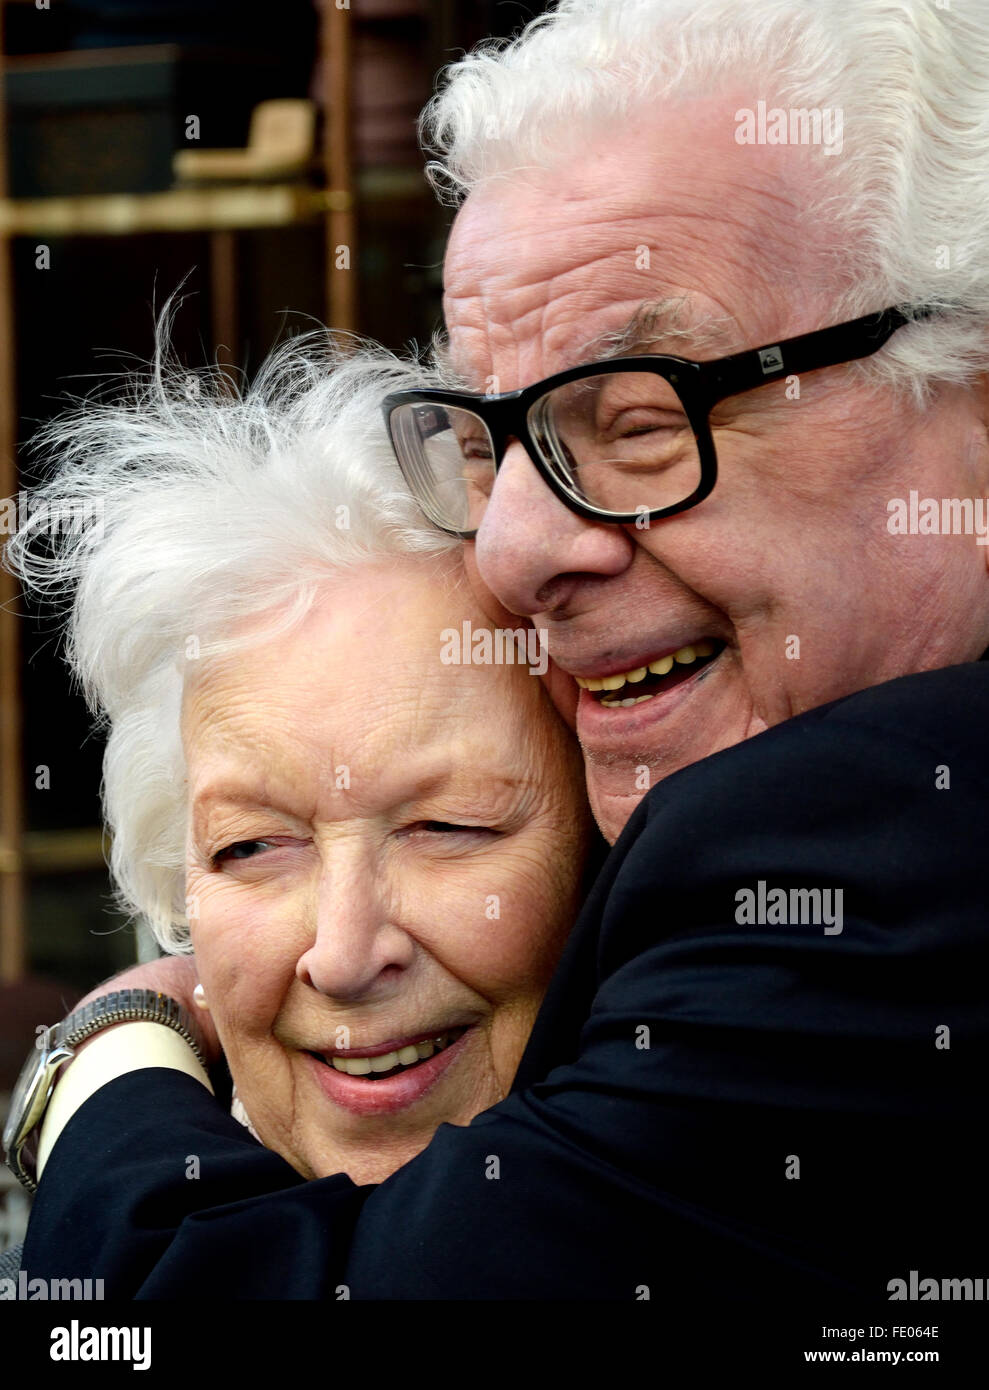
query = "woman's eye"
{"x": 442, "y": 827}
{"x": 241, "y": 849}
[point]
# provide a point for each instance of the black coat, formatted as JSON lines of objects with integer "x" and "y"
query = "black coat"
{"x": 706, "y": 1107}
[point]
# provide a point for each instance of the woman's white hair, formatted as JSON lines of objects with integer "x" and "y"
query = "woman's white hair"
{"x": 907, "y": 196}
{"x": 194, "y": 507}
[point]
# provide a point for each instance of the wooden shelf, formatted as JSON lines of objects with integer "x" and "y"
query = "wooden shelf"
{"x": 177, "y": 210}
{"x": 57, "y": 851}
{"x": 236, "y": 207}
{"x": 64, "y": 851}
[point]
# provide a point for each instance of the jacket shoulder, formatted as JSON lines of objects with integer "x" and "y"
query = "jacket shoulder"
{"x": 898, "y": 733}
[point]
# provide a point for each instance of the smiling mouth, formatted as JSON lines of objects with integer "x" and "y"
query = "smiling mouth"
{"x": 390, "y": 1063}
{"x": 626, "y": 688}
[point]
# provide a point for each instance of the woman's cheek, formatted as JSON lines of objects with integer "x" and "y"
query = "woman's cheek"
{"x": 537, "y": 917}
{"x": 505, "y": 928}
{"x": 242, "y": 947}
{"x": 213, "y": 914}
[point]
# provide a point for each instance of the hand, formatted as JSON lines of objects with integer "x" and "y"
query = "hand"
{"x": 173, "y": 975}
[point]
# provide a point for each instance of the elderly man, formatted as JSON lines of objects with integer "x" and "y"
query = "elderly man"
{"x": 717, "y": 307}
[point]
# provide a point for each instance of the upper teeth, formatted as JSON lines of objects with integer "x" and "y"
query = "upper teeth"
{"x": 404, "y": 1057}
{"x": 684, "y": 656}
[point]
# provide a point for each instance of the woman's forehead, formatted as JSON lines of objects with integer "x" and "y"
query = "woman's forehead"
{"x": 407, "y": 702}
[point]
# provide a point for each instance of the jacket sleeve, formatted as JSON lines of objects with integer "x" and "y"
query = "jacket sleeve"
{"x": 744, "y": 1108}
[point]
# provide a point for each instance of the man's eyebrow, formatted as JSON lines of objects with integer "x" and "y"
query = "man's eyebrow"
{"x": 666, "y": 324}
{"x": 671, "y": 325}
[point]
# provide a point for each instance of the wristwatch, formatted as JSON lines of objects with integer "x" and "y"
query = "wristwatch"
{"x": 56, "y": 1046}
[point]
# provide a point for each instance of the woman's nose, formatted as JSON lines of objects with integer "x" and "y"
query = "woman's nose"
{"x": 356, "y": 944}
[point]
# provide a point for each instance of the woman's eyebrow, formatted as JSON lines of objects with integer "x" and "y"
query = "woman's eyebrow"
{"x": 467, "y": 786}
{"x": 213, "y": 797}
{"x": 467, "y": 790}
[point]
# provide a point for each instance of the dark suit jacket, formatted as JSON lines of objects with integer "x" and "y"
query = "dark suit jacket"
{"x": 707, "y": 1107}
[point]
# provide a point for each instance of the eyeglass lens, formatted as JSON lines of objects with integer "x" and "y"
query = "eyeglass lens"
{"x": 618, "y": 441}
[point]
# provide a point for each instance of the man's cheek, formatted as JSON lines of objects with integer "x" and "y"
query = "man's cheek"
{"x": 564, "y": 692}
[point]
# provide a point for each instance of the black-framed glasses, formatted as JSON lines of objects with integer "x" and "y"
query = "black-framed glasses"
{"x": 621, "y": 440}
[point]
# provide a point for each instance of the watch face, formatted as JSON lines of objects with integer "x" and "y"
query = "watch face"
{"x": 25, "y": 1096}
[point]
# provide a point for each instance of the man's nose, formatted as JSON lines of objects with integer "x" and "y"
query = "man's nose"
{"x": 356, "y": 944}
{"x": 532, "y": 550}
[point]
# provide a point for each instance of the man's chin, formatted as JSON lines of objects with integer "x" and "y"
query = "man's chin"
{"x": 631, "y": 746}
{"x": 612, "y": 803}
{"x": 616, "y": 785}
{"x": 611, "y": 811}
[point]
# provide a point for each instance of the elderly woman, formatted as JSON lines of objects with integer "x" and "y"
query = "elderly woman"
{"x": 375, "y": 852}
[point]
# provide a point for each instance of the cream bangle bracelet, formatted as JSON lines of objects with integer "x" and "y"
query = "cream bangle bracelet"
{"x": 107, "y": 1055}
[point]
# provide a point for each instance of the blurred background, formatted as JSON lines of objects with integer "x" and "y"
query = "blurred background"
{"x": 265, "y": 155}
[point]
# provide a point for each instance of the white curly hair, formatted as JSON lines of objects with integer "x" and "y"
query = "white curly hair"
{"x": 908, "y": 198}
{"x": 214, "y": 505}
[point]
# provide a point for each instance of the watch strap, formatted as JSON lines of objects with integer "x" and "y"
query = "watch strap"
{"x": 126, "y": 1006}
{"x": 117, "y": 1006}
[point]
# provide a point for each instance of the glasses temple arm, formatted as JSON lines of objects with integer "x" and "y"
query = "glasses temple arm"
{"x": 826, "y": 347}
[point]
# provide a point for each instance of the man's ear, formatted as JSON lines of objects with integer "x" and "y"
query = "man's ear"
{"x": 563, "y": 689}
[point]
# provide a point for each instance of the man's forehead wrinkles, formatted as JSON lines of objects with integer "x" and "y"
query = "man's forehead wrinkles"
{"x": 544, "y": 269}
{"x": 484, "y": 303}
{"x": 516, "y": 256}
{"x": 674, "y": 323}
